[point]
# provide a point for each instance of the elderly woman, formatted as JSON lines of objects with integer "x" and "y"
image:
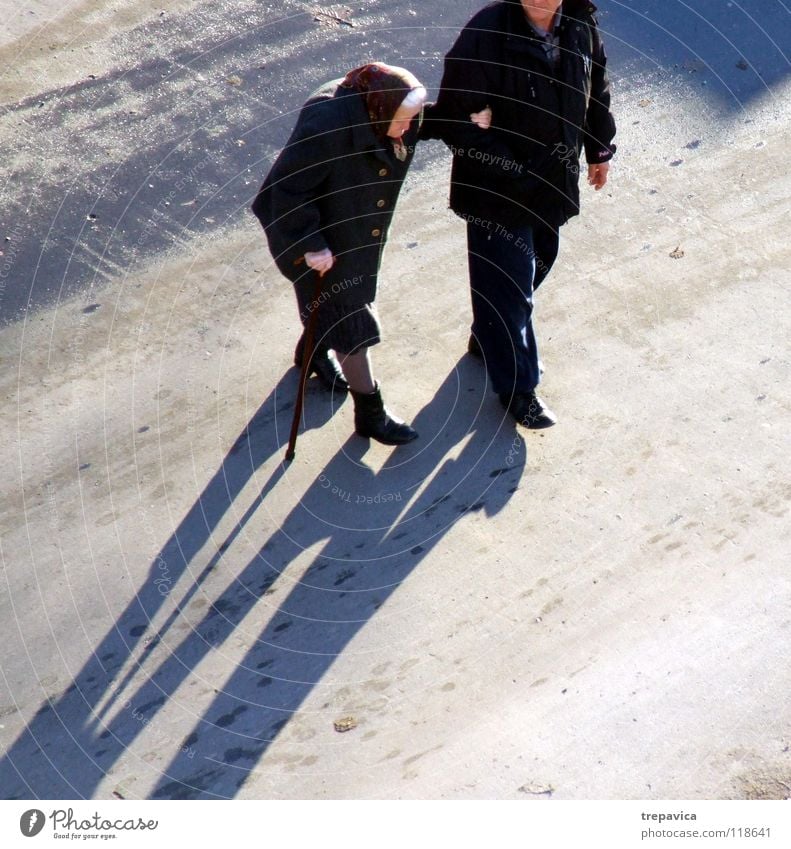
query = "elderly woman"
{"x": 326, "y": 206}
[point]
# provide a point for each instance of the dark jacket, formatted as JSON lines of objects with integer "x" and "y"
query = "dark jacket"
{"x": 334, "y": 185}
{"x": 528, "y": 161}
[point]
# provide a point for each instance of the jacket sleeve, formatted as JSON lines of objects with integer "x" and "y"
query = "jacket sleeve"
{"x": 599, "y": 121}
{"x": 288, "y": 204}
{"x": 465, "y": 88}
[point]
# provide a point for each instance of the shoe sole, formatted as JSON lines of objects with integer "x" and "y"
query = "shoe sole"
{"x": 534, "y": 426}
{"x": 387, "y": 441}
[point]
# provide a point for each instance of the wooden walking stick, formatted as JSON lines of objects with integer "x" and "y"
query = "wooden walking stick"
{"x": 307, "y": 357}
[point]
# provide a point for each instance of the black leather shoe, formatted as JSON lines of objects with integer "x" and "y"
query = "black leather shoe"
{"x": 324, "y": 365}
{"x": 373, "y": 420}
{"x": 528, "y": 410}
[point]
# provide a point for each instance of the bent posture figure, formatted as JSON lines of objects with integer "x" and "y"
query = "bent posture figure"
{"x": 326, "y": 206}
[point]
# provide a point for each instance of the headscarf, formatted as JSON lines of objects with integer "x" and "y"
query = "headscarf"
{"x": 384, "y": 88}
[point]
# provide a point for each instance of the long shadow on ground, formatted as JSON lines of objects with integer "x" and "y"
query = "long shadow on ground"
{"x": 366, "y": 555}
{"x": 62, "y": 754}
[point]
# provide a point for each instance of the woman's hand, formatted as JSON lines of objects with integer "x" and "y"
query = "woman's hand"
{"x": 483, "y": 119}
{"x": 321, "y": 261}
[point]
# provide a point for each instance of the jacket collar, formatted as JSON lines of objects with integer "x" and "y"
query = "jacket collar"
{"x": 522, "y": 36}
{"x": 568, "y": 9}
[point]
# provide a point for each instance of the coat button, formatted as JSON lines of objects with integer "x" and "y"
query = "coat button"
{"x": 376, "y": 232}
{"x": 380, "y": 203}
{"x": 383, "y": 172}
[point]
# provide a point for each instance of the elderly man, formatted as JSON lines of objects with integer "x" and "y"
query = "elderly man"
{"x": 540, "y": 66}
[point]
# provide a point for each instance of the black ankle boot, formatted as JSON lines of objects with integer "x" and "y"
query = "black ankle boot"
{"x": 324, "y": 365}
{"x": 373, "y": 419}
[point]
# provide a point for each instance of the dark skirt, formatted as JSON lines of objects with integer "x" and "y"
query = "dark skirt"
{"x": 342, "y": 327}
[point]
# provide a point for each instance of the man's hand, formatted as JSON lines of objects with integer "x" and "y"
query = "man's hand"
{"x": 597, "y": 175}
{"x": 321, "y": 261}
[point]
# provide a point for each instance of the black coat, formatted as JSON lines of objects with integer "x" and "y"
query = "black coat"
{"x": 527, "y": 163}
{"x": 334, "y": 185}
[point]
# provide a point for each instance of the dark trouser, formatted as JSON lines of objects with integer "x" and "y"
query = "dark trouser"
{"x": 506, "y": 267}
